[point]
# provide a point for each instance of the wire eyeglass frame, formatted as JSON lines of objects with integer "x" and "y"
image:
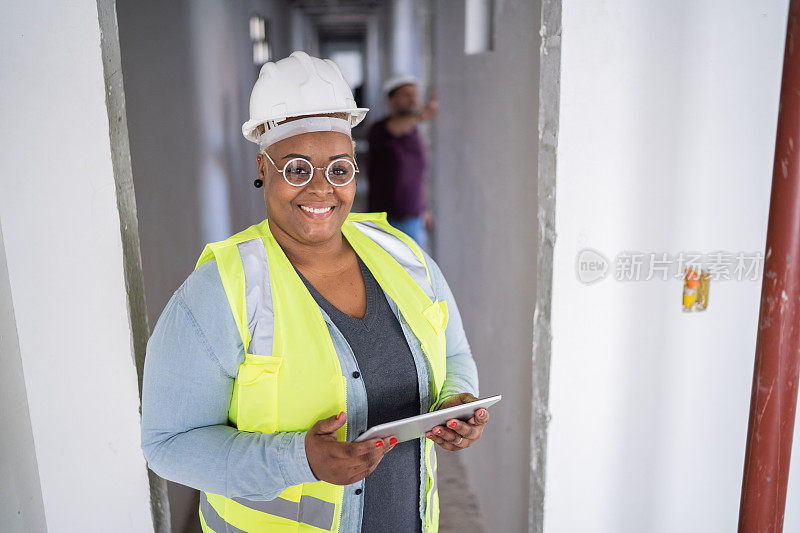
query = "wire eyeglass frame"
{"x": 313, "y": 168}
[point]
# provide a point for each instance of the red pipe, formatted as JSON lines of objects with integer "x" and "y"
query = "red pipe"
{"x": 775, "y": 378}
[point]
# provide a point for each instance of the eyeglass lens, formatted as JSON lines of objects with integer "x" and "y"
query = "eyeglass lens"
{"x": 299, "y": 171}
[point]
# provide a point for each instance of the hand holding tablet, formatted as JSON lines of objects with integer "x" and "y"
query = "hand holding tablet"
{"x": 450, "y": 437}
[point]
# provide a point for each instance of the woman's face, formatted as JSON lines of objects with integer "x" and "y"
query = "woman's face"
{"x": 288, "y": 206}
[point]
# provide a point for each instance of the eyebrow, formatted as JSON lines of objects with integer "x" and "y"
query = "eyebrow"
{"x": 331, "y": 158}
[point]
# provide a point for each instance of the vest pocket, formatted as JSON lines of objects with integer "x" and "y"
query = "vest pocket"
{"x": 258, "y": 393}
{"x": 437, "y": 316}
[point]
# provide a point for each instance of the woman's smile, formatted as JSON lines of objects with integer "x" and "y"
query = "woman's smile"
{"x": 317, "y": 210}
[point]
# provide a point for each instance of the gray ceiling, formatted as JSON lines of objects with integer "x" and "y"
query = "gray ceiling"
{"x": 339, "y": 19}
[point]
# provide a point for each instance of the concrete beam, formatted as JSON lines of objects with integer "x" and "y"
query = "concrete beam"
{"x": 129, "y": 223}
{"x": 549, "y": 94}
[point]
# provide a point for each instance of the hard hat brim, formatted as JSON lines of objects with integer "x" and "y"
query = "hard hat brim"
{"x": 250, "y": 128}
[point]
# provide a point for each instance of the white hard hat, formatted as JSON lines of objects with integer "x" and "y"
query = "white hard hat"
{"x": 398, "y": 81}
{"x": 296, "y": 86}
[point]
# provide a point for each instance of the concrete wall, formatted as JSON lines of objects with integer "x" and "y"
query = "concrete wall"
{"x": 64, "y": 257}
{"x": 188, "y": 73}
{"x": 486, "y": 196}
{"x": 667, "y": 131}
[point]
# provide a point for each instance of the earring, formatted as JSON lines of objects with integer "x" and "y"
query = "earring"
{"x": 258, "y": 183}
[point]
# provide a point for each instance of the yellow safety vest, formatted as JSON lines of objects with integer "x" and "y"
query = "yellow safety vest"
{"x": 291, "y": 377}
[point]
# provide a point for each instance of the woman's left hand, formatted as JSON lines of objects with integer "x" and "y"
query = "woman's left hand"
{"x": 458, "y": 434}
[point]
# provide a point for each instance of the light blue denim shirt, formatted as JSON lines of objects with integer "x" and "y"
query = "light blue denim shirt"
{"x": 193, "y": 357}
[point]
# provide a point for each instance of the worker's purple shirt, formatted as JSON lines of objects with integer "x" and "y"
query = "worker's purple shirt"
{"x": 397, "y": 167}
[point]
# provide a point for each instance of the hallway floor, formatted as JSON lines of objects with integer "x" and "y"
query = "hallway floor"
{"x": 458, "y": 505}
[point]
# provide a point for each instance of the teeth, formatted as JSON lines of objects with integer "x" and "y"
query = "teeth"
{"x": 316, "y": 211}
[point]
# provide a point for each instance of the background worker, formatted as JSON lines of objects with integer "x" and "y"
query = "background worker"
{"x": 398, "y": 161}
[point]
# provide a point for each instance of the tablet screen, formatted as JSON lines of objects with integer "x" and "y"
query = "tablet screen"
{"x": 416, "y": 426}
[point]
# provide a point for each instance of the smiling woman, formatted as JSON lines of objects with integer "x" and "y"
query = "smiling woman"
{"x": 294, "y": 336}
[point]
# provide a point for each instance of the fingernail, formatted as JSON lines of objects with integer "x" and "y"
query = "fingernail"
{"x": 451, "y": 424}
{"x": 379, "y": 444}
{"x": 392, "y": 441}
{"x": 481, "y": 412}
{"x": 428, "y": 435}
{"x": 438, "y": 431}
{"x": 339, "y": 416}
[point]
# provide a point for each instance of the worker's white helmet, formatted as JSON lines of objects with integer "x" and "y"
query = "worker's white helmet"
{"x": 395, "y": 82}
{"x": 296, "y": 86}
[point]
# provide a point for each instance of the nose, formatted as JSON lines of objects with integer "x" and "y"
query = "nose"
{"x": 319, "y": 184}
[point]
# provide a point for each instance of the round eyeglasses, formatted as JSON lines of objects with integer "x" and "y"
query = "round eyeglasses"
{"x": 299, "y": 171}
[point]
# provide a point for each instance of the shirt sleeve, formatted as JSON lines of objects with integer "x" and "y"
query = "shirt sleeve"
{"x": 462, "y": 373}
{"x": 192, "y": 359}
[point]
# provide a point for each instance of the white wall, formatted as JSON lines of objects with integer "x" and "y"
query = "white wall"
{"x": 21, "y": 507}
{"x": 485, "y": 192}
{"x": 668, "y": 118}
{"x": 61, "y": 231}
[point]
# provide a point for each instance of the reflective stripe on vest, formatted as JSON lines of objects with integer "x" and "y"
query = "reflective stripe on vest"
{"x": 401, "y": 253}
{"x": 309, "y": 510}
{"x": 291, "y": 376}
{"x": 258, "y": 294}
{"x": 211, "y": 520}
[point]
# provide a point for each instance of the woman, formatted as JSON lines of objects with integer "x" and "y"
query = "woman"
{"x": 292, "y": 337}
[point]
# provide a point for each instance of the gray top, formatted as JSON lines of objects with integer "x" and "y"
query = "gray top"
{"x": 386, "y": 365}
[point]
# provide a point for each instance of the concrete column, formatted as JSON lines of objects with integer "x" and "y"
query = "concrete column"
{"x": 486, "y": 198}
{"x": 549, "y": 98}
{"x": 63, "y": 239}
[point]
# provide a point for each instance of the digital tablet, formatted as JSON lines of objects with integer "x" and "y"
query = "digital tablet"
{"x": 415, "y": 427}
